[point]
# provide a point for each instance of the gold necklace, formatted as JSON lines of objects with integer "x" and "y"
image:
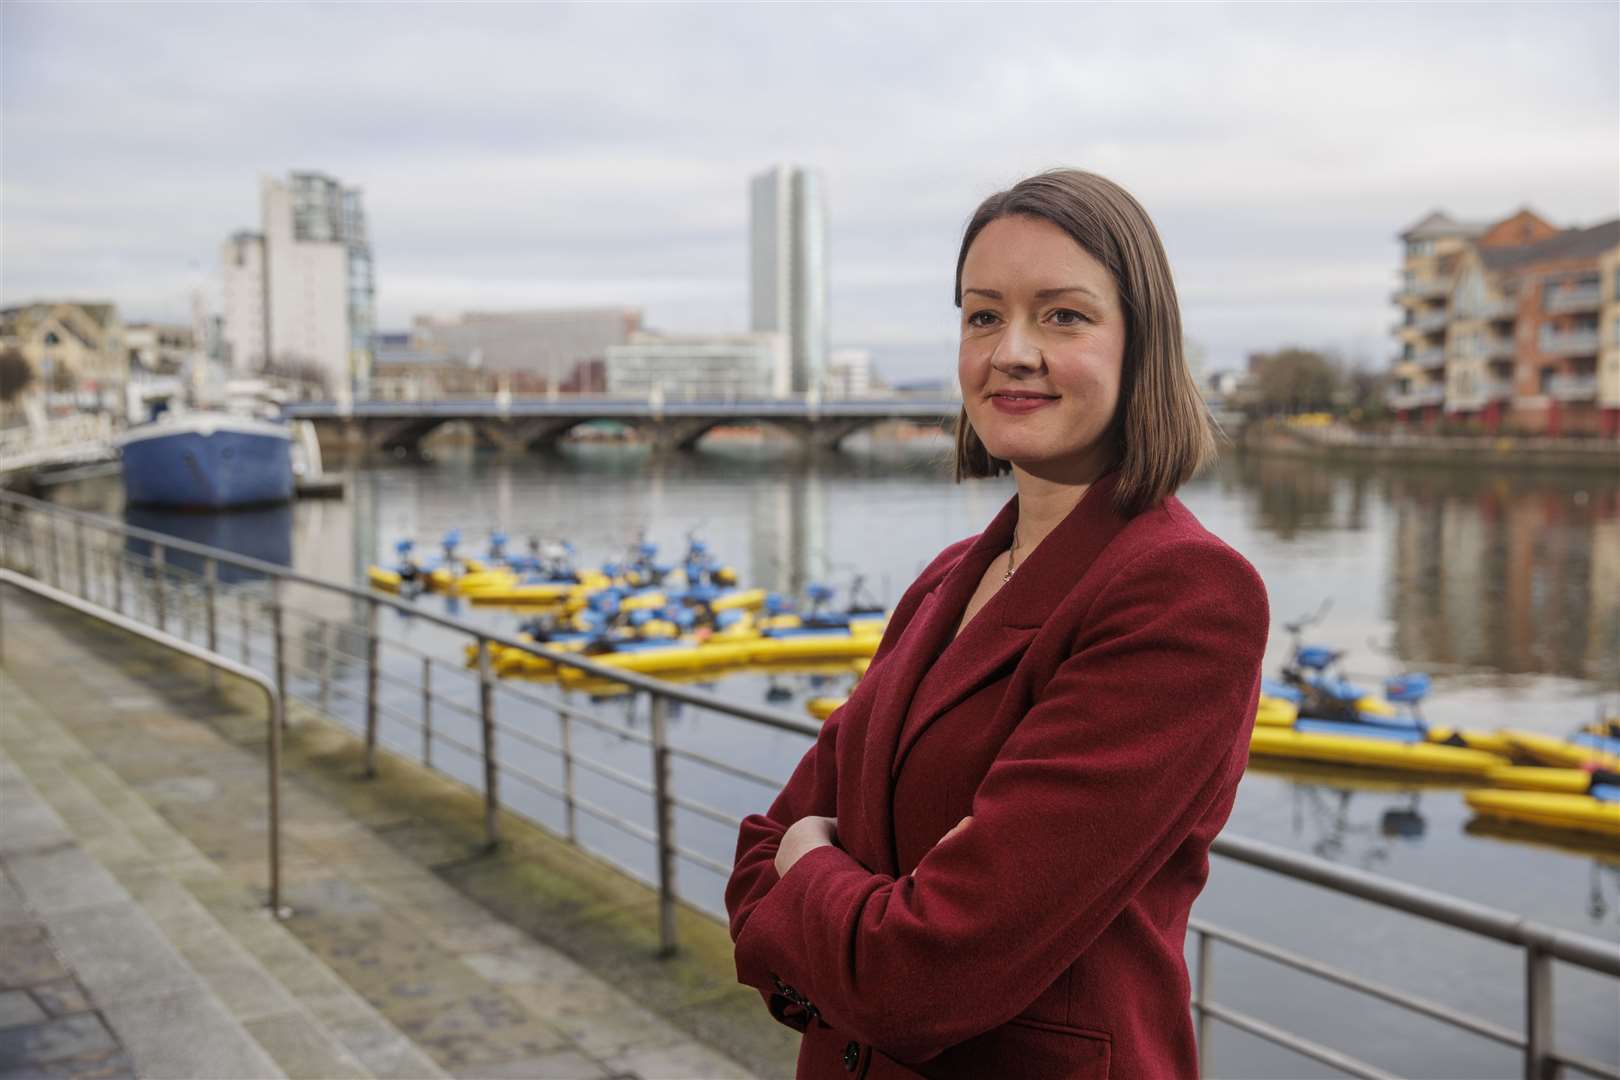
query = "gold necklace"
{"x": 1006, "y": 577}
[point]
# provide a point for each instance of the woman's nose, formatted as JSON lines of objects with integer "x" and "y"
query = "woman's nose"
{"x": 1016, "y": 351}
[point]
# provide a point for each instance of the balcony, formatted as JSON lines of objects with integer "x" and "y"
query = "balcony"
{"x": 1418, "y": 398}
{"x": 1430, "y": 358}
{"x": 1499, "y": 348}
{"x": 1496, "y": 390}
{"x": 1426, "y": 289}
{"x": 1572, "y": 387}
{"x": 1431, "y": 322}
{"x": 1564, "y": 301}
{"x": 1498, "y": 310}
{"x": 1569, "y": 342}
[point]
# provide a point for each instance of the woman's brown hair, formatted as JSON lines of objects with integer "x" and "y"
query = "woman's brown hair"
{"x": 1161, "y": 431}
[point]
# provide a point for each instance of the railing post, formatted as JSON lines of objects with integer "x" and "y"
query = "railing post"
{"x": 328, "y": 637}
{"x": 159, "y": 615}
{"x": 278, "y": 720}
{"x": 211, "y": 613}
{"x": 117, "y": 558}
{"x": 278, "y": 644}
{"x": 565, "y": 728}
{"x": 247, "y": 625}
{"x": 84, "y": 570}
{"x": 666, "y": 827}
{"x": 373, "y": 658}
{"x": 486, "y": 717}
{"x": 1201, "y": 998}
{"x": 50, "y": 550}
{"x": 427, "y": 712}
{"x": 1538, "y": 1014}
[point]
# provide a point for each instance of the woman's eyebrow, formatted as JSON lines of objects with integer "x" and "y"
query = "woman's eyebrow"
{"x": 1043, "y": 294}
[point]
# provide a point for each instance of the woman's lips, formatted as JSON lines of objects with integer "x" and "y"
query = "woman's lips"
{"x": 1019, "y": 404}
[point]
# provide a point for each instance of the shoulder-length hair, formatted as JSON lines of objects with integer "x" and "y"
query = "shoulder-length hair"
{"x": 1161, "y": 431}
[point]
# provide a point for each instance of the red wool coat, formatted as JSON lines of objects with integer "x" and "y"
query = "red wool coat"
{"x": 1093, "y": 718}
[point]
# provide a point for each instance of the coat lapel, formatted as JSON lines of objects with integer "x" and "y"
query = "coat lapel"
{"x": 925, "y": 636}
{"x": 996, "y": 638}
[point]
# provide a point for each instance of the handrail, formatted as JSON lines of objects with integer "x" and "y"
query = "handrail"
{"x": 1453, "y": 911}
{"x": 1542, "y": 944}
{"x": 273, "y": 703}
{"x": 698, "y": 698}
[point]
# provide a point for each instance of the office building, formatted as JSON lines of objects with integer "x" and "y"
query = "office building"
{"x": 310, "y": 268}
{"x": 849, "y": 373}
{"x": 699, "y": 367}
{"x": 788, "y": 268}
{"x": 1510, "y": 326}
{"x": 242, "y": 273}
{"x": 533, "y": 350}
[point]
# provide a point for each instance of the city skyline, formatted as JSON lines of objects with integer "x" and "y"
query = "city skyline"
{"x": 1279, "y": 166}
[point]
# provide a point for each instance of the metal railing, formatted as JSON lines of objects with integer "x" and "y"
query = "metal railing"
{"x": 1569, "y": 342}
{"x": 1577, "y": 298}
{"x": 403, "y": 696}
{"x": 215, "y": 662}
{"x": 1541, "y": 944}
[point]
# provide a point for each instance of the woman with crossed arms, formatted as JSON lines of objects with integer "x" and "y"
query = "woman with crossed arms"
{"x": 984, "y": 866}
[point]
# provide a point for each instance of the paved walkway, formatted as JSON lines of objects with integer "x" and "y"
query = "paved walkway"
{"x": 132, "y": 920}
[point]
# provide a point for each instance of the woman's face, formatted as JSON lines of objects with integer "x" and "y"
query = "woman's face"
{"x": 1043, "y": 342}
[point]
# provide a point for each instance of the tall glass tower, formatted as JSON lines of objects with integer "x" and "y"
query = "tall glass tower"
{"x": 788, "y": 268}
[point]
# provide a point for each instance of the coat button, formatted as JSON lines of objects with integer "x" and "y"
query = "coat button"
{"x": 852, "y": 1056}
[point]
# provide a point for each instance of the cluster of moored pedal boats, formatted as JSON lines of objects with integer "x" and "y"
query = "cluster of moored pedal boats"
{"x": 693, "y": 619}
{"x": 1314, "y": 715}
{"x": 639, "y": 614}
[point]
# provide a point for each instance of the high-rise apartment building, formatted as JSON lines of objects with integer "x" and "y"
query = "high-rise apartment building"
{"x": 788, "y": 268}
{"x": 312, "y": 267}
{"x": 241, "y": 263}
{"x": 1505, "y": 326}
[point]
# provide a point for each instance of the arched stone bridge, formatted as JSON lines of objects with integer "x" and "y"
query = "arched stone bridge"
{"x": 519, "y": 425}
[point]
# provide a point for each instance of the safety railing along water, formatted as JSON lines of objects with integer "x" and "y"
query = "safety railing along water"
{"x": 181, "y": 589}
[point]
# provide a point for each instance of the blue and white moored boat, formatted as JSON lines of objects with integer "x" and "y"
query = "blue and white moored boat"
{"x": 207, "y": 461}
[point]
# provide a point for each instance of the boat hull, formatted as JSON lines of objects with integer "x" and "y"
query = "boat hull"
{"x": 208, "y": 466}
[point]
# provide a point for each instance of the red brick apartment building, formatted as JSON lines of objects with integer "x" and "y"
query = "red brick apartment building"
{"x": 1511, "y": 326}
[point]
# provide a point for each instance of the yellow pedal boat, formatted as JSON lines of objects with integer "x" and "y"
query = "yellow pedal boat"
{"x": 1552, "y": 810}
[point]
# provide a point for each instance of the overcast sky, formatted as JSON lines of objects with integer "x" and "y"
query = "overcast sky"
{"x": 519, "y": 156}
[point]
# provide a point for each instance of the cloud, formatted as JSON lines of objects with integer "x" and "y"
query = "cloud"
{"x": 557, "y": 154}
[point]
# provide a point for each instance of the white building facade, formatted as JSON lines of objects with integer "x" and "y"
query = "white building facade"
{"x": 849, "y": 373}
{"x": 788, "y": 268}
{"x": 545, "y": 344}
{"x": 242, "y": 266}
{"x": 301, "y": 292}
{"x": 700, "y": 367}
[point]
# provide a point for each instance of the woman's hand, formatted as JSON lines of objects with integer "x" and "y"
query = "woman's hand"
{"x": 802, "y": 837}
{"x": 958, "y": 827}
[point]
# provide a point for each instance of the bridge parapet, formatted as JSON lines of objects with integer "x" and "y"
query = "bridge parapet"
{"x": 516, "y": 425}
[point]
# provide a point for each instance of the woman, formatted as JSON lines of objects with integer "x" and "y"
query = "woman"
{"x": 984, "y": 866}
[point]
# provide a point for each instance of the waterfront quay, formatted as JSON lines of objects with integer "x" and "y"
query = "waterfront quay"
{"x": 137, "y": 938}
{"x": 463, "y": 850}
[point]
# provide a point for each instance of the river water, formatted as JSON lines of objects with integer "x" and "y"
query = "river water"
{"x": 1504, "y": 586}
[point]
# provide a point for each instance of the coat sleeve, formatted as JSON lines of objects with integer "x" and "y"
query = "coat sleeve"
{"x": 1132, "y": 740}
{"x": 812, "y": 790}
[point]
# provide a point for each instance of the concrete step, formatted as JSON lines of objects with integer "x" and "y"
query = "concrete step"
{"x": 384, "y": 968}
{"x": 120, "y": 887}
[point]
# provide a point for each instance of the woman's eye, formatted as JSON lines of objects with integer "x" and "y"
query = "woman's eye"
{"x": 1074, "y": 317}
{"x": 973, "y": 319}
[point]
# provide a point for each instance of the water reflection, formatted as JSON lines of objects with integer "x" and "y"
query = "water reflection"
{"x": 1511, "y": 572}
{"x": 263, "y": 533}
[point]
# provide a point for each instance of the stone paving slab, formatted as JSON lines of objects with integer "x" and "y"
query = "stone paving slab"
{"x": 188, "y": 1035}
{"x": 383, "y": 958}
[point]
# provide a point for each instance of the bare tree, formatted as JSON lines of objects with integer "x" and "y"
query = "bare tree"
{"x": 16, "y": 374}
